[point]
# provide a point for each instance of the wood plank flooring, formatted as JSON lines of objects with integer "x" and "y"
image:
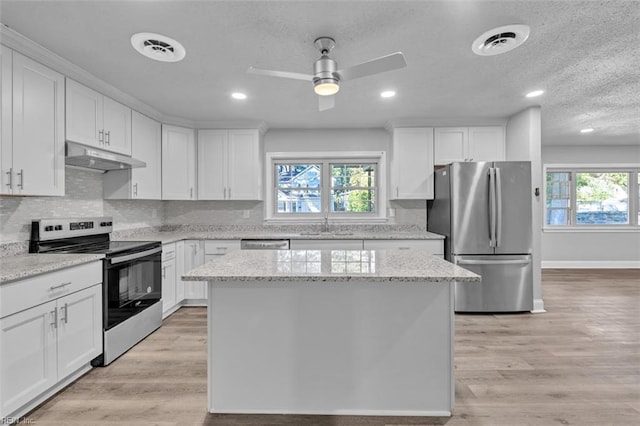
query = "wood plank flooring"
{"x": 576, "y": 364}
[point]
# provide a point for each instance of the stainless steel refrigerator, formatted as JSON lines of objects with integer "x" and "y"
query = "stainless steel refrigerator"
{"x": 484, "y": 210}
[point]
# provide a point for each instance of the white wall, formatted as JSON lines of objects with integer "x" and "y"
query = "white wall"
{"x": 524, "y": 143}
{"x": 591, "y": 249}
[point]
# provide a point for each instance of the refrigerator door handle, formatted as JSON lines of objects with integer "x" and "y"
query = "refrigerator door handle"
{"x": 493, "y": 262}
{"x": 498, "y": 211}
{"x": 492, "y": 207}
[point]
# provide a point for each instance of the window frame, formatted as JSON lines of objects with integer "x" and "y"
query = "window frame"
{"x": 326, "y": 159}
{"x": 633, "y": 170}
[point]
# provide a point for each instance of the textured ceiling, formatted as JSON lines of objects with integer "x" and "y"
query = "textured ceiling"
{"x": 583, "y": 54}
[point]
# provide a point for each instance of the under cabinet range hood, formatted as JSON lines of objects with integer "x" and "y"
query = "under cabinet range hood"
{"x": 94, "y": 158}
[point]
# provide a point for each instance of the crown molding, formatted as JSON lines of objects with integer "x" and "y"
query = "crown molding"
{"x": 445, "y": 122}
{"x": 232, "y": 124}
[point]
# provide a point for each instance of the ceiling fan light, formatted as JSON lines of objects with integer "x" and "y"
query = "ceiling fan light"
{"x": 326, "y": 87}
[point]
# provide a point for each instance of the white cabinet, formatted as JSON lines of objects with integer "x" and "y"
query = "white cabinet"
{"x": 32, "y": 146}
{"x": 178, "y": 163}
{"x": 193, "y": 257}
{"x": 229, "y": 164}
{"x": 50, "y": 328}
{"x": 412, "y": 164}
{"x": 453, "y": 144}
{"x": 434, "y": 247}
{"x": 179, "y": 271}
{"x": 96, "y": 120}
{"x": 143, "y": 183}
{"x": 325, "y": 244}
{"x": 169, "y": 293}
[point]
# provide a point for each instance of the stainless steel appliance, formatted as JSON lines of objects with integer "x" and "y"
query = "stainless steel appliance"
{"x": 484, "y": 210}
{"x": 264, "y": 244}
{"x": 131, "y": 277}
{"x": 94, "y": 158}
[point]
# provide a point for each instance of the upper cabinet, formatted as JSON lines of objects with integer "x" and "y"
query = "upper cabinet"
{"x": 178, "y": 163}
{"x": 412, "y": 164}
{"x": 32, "y": 145}
{"x": 452, "y": 144}
{"x": 143, "y": 183}
{"x": 229, "y": 164}
{"x": 96, "y": 120}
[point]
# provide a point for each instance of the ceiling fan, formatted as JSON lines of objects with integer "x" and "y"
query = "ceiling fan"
{"x": 326, "y": 76}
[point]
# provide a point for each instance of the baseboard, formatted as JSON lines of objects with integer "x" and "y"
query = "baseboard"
{"x": 538, "y": 307}
{"x": 590, "y": 264}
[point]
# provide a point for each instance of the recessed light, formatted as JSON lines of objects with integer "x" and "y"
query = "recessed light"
{"x": 158, "y": 47}
{"x": 589, "y": 130}
{"x": 238, "y": 95}
{"x": 388, "y": 94}
{"x": 534, "y": 94}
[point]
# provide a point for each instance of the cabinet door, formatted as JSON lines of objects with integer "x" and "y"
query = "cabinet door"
{"x": 116, "y": 124}
{"x": 212, "y": 164}
{"x": 412, "y": 164}
{"x": 486, "y": 144}
{"x": 450, "y": 144}
{"x": 194, "y": 257}
{"x": 27, "y": 356}
{"x": 79, "y": 329}
{"x": 83, "y": 115}
{"x": 178, "y": 163}
{"x": 146, "y": 145}
{"x": 38, "y": 128}
{"x": 6, "y": 133}
{"x": 168, "y": 285}
{"x": 180, "y": 269}
{"x": 244, "y": 171}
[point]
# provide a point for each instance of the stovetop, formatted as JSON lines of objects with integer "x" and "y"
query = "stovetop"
{"x": 98, "y": 247}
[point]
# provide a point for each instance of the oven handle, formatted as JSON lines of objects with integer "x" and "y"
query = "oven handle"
{"x": 128, "y": 257}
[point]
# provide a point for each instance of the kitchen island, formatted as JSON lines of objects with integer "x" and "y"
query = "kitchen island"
{"x": 331, "y": 332}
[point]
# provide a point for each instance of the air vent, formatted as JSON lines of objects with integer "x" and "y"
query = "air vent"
{"x": 158, "y": 47}
{"x": 500, "y": 40}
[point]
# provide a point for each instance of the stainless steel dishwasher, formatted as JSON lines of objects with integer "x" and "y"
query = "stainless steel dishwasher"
{"x": 264, "y": 244}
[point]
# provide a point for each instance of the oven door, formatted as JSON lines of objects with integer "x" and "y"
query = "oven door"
{"x": 132, "y": 283}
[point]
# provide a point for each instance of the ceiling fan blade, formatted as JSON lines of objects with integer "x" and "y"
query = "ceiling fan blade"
{"x": 326, "y": 102}
{"x": 386, "y": 63}
{"x": 282, "y": 74}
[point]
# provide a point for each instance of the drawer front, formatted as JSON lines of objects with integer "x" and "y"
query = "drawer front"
{"x": 435, "y": 247}
{"x": 168, "y": 251}
{"x": 20, "y": 295}
{"x": 220, "y": 247}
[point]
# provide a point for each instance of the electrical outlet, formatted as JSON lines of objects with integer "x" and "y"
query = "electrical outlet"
{"x": 246, "y": 214}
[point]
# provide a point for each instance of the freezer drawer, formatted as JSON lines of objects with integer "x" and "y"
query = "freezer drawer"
{"x": 507, "y": 284}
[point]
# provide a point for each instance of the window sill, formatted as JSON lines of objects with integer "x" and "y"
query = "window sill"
{"x": 592, "y": 228}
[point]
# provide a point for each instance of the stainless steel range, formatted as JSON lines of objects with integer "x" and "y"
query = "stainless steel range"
{"x": 132, "y": 282}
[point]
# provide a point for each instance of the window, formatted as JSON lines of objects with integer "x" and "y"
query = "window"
{"x": 592, "y": 197}
{"x": 345, "y": 187}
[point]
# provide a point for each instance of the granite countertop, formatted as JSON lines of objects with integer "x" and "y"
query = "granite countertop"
{"x": 172, "y": 236}
{"x": 330, "y": 266}
{"x": 21, "y": 266}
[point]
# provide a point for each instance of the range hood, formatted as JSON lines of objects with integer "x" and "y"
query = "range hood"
{"x": 94, "y": 158}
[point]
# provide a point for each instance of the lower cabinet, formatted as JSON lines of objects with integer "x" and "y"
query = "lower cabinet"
{"x": 434, "y": 247}
{"x": 45, "y": 344}
{"x": 169, "y": 291}
{"x": 194, "y": 291}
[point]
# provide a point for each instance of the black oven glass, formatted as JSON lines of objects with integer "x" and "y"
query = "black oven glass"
{"x": 131, "y": 287}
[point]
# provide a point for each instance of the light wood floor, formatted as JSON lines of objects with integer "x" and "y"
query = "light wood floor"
{"x": 577, "y": 364}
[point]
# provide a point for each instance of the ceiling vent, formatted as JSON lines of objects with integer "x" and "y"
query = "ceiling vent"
{"x": 500, "y": 40}
{"x": 158, "y": 47}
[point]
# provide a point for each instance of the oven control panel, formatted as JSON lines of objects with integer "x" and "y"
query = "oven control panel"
{"x": 48, "y": 229}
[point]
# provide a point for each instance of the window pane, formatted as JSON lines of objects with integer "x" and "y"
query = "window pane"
{"x": 558, "y": 198}
{"x": 298, "y": 201}
{"x": 353, "y": 175}
{"x": 298, "y": 175}
{"x": 353, "y": 200}
{"x": 602, "y": 198}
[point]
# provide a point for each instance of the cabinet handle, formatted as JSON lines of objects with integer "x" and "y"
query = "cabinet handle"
{"x": 224, "y": 197}
{"x": 54, "y": 323}
{"x": 135, "y": 189}
{"x": 66, "y": 313}
{"x": 107, "y": 137}
{"x": 21, "y": 174}
{"x": 10, "y": 173}
{"x": 191, "y": 193}
{"x": 164, "y": 270}
{"x": 101, "y": 136}
{"x": 55, "y": 287}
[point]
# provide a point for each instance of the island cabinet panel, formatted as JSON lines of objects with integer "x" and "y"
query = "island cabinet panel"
{"x": 367, "y": 348}
{"x": 433, "y": 247}
{"x": 325, "y": 245}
